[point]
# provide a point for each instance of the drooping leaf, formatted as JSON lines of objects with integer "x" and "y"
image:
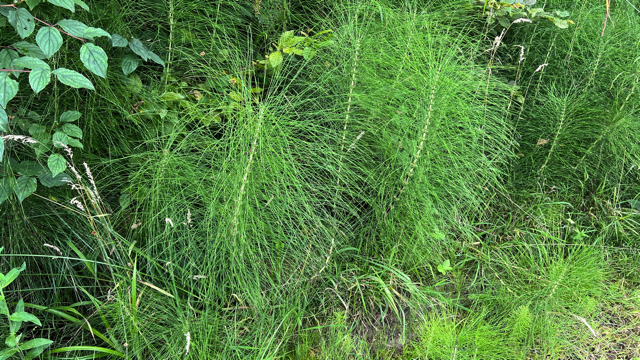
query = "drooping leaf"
{"x": 6, "y": 189}
{"x": 39, "y": 79}
{"x": 8, "y": 89}
{"x": 73, "y": 78}
{"x": 130, "y": 64}
{"x": 25, "y": 316}
{"x": 48, "y": 180}
{"x": 22, "y": 21}
{"x": 25, "y": 186}
{"x": 4, "y": 121}
{"x": 73, "y": 27}
{"x": 118, "y": 41}
{"x": 70, "y": 116}
{"x": 30, "y": 63}
{"x": 562, "y": 24}
{"x": 12, "y": 275}
{"x": 67, "y": 4}
{"x": 92, "y": 32}
{"x": 155, "y": 58}
{"x": 94, "y": 58}
{"x": 139, "y": 48}
{"x": 82, "y": 4}
{"x": 72, "y": 130}
{"x": 49, "y": 40}
{"x": 60, "y": 139}
{"x": 75, "y": 143}
{"x": 35, "y": 343}
{"x": 29, "y": 49}
{"x": 31, "y": 168}
{"x": 33, "y": 3}
{"x": 275, "y": 58}
{"x": 57, "y": 164}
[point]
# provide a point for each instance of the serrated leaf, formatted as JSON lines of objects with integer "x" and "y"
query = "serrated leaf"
{"x": 139, "y": 48}
{"x": 25, "y": 316}
{"x": 275, "y": 58}
{"x": 73, "y": 78}
{"x": 75, "y": 143}
{"x": 130, "y": 64}
{"x": 39, "y": 79}
{"x": 35, "y": 343}
{"x": 67, "y": 4}
{"x": 72, "y": 130}
{"x": 7, "y": 353}
{"x": 33, "y": 3}
{"x": 94, "y": 58}
{"x": 6, "y": 189}
{"x": 73, "y": 27}
{"x": 92, "y": 32}
{"x": 29, "y": 49}
{"x": 155, "y": 58}
{"x": 118, "y": 41}
{"x": 49, "y": 40}
{"x": 81, "y": 4}
{"x": 69, "y": 116}
{"x": 25, "y": 186}
{"x": 31, "y": 168}
{"x": 57, "y": 164}
{"x": 22, "y": 21}
{"x": 30, "y": 63}
{"x": 60, "y": 139}
{"x": 8, "y": 89}
{"x": 48, "y": 180}
{"x": 4, "y": 120}
{"x": 39, "y": 133}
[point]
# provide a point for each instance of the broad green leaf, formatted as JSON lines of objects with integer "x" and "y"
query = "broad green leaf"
{"x": 24, "y": 316}
{"x": 81, "y": 4}
{"x": 562, "y": 13}
{"x": 7, "y": 353}
{"x": 118, "y": 41}
{"x": 12, "y": 275}
{"x": 6, "y": 189}
{"x": 48, "y": 180}
{"x": 139, "y": 48}
{"x": 562, "y": 24}
{"x": 33, "y": 3}
{"x": 72, "y": 130}
{"x": 275, "y": 59}
{"x": 39, "y": 133}
{"x": 22, "y": 21}
{"x": 92, "y": 32}
{"x": 29, "y": 49}
{"x": 308, "y": 53}
{"x": 11, "y": 341}
{"x": 30, "y": 168}
{"x": 75, "y": 143}
{"x": 6, "y": 59}
{"x": 155, "y": 58}
{"x": 1, "y": 148}
{"x": 94, "y": 58}
{"x": 35, "y": 343}
{"x": 67, "y": 4}
{"x": 73, "y": 78}
{"x": 73, "y": 27}
{"x": 57, "y": 164}
{"x": 25, "y": 186}
{"x": 4, "y": 121}
{"x": 60, "y": 139}
{"x": 70, "y": 116}
{"x": 30, "y": 63}
{"x": 130, "y": 64}
{"x": 8, "y": 89}
{"x": 49, "y": 40}
{"x": 39, "y": 79}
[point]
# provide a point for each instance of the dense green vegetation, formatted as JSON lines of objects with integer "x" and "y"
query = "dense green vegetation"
{"x": 329, "y": 179}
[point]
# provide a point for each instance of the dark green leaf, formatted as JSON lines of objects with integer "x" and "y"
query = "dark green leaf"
{"x": 139, "y": 48}
{"x": 39, "y": 79}
{"x": 155, "y": 58}
{"x": 75, "y": 143}
{"x": 60, "y": 139}
{"x": 118, "y": 41}
{"x": 49, "y": 40}
{"x": 130, "y": 64}
{"x": 72, "y": 130}
{"x": 48, "y": 180}
{"x": 70, "y": 116}
{"x": 67, "y": 4}
{"x": 29, "y": 49}
{"x": 6, "y": 59}
{"x": 33, "y": 3}
{"x": 31, "y": 168}
{"x": 1, "y": 148}
{"x": 8, "y": 89}
{"x": 25, "y": 186}
{"x": 4, "y": 121}
{"x": 57, "y": 164}
{"x": 94, "y": 58}
{"x": 22, "y": 21}
{"x": 6, "y": 188}
{"x": 73, "y": 79}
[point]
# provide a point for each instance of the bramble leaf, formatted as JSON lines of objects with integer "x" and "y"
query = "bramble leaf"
{"x": 57, "y": 164}
{"x": 69, "y": 116}
{"x": 50, "y": 181}
{"x": 72, "y": 130}
{"x": 25, "y": 186}
{"x": 60, "y": 139}
{"x": 130, "y": 64}
{"x": 139, "y": 48}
